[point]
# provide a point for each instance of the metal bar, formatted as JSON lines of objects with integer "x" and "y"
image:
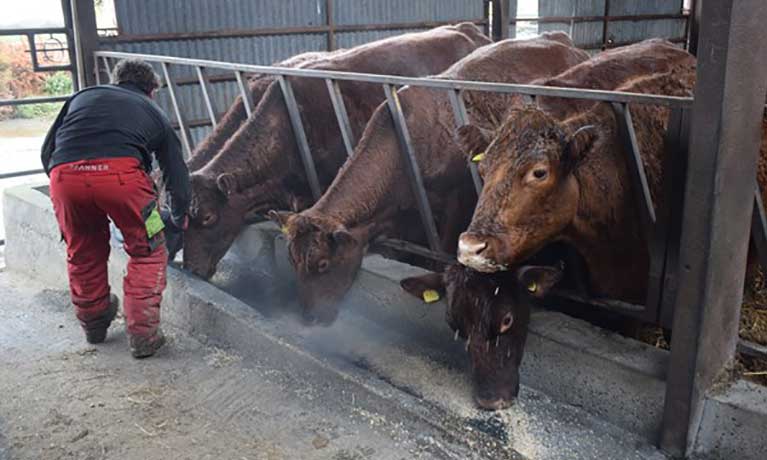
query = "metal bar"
{"x": 247, "y": 96}
{"x": 33, "y": 30}
{"x": 205, "y": 88}
{"x": 86, "y": 40}
{"x": 731, "y": 79}
{"x": 97, "y": 69}
{"x": 186, "y": 140}
{"x": 759, "y": 228}
{"x": 674, "y": 173}
{"x": 411, "y": 168}
{"x": 748, "y": 348}
{"x": 28, "y": 172}
{"x": 577, "y": 19}
{"x": 538, "y": 90}
{"x": 238, "y": 33}
{"x": 341, "y": 115}
{"x": 605, "y": 23}
{"x": 33, "y": 100}
{"x": 331, "y": 23}
{"x": 66, "y": 7}
{"x": 33, "y": 51}
{"x": 298, "y": 131}
{"x": 462, "y": 118}
{"x": 108, "y": 68}
{"x": 500, "y": 26}
{"x": 692, "y": 43}
{"x": 636, "y": 168}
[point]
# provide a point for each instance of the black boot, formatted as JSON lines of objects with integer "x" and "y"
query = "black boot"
{"x": 96, "y": 329}
{"x": 144, "y": 347}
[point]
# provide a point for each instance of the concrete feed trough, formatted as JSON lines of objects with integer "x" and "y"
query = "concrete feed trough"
{"x": 394, "y": 356}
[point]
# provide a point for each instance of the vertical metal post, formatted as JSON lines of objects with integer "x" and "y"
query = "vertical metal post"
{"x": 202, "y": 77}
{"x": 334, "y": 91}
{"x": 693, "y": 26}
{"x": 462, "y": 119}
{"x": 411, "y": 168}
{"x": 300, "y": 135}
{"x": 66, "y": 8}
{"x": 759, "y": 228}
{"x": 86, "y": 40}
{"x": 636, "y": 167}
{"x": 669, "y": 222}
{"x": 331, "y": 23}
{"x": 719, "y": 194}
{"x": 247, "y": 96}
{"x": 183, "y": 128}
{"x": 108, "y": 68}
{"x": 500, "y": 20}
{"x": 605, "y": 24}
{"x": 96, "y": 69}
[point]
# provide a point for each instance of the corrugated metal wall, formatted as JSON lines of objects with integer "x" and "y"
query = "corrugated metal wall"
{"x": 151, "y": 19}
{"x": 590, "y": 33}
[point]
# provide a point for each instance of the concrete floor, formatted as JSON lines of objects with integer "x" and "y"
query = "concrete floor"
{"x": 65, "y": 399}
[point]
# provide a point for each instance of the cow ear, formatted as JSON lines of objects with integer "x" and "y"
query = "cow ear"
{"x": 341, "y": 236}
{"x": 279, "y": 217}
{"x": 537, "y": 280}
{"x": 429, "y": 287}
{"x": 577, "y": 145}
{"x": 227, "y": 183}
{"x": 474, "y": 140}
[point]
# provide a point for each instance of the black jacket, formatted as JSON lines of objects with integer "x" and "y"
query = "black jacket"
{"x": 111, "y": 121}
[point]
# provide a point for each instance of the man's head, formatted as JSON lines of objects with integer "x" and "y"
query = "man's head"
{"x": 138, "y": 73}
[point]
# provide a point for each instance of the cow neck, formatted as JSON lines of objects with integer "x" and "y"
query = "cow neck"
{"x": 367, "y": 184}
{"x": 252, "y": 144}
{"x": 603, "y": 231}
{"x": 227, "y": 126}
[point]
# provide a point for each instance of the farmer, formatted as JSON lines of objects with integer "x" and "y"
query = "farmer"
{"x": 98, "y": 154}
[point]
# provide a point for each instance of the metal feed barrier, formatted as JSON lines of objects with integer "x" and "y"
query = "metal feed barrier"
{"x": 655, "y": 225}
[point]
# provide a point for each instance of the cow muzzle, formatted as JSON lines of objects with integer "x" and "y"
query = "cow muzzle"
{"x": 479, "y": 252}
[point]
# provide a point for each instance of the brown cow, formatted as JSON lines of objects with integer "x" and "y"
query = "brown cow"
{"x": 371, "y": 195}
{"x": 236, "y": 114}
{"x": 491, "y": 312}
{"x": 566, "y": 180}
{"x": 260, "y": 168}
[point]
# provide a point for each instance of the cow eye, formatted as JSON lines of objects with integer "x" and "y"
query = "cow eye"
{"x": 540, "y": 174}
{"x": 506, "y": 322}
{"x": 322, "y": 265}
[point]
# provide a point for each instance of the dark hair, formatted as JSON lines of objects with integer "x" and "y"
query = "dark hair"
{"x": 137, "y": 72}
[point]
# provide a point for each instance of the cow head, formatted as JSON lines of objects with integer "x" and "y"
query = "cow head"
{"x": 491, "y": 312}
{"x": 326, "y": 257}
{"x": 216, "y": 215}
{"x": 530, "y": 192}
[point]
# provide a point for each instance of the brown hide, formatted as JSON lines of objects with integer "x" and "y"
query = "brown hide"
{"x": 492, "y": 313}
{"x": 584, "y": 197}
{"x": 371, "y": 194}
{"x": 233, "y": 118}
{"x": 259, "y": 168}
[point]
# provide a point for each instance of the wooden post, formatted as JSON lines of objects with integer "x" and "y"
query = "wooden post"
{"x": 725, "y": 135}
{"x": 86, "y": 40}
{"x": 331, "y": 23}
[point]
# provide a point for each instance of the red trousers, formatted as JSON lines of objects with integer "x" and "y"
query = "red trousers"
{"x": 84, "y": 194}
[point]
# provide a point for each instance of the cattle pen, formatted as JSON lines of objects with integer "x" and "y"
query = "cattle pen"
{"x": 694, "y": 237}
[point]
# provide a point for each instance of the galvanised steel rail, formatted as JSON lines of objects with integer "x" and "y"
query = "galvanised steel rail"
{"x": 656, "y": 229}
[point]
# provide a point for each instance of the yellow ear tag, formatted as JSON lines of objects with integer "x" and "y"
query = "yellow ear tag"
{"x": 284, "y": 229}
{"x": 532, "y": 287}
{"x": 477, "y": 158}
{"x": 430, "y": 296}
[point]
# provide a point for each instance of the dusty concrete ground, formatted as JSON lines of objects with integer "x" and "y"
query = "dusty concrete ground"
{"x": 61, "y": 398}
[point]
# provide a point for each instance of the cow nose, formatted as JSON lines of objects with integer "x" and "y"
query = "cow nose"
{"x": 493, "y": 404}
{"x": 471, "y": 245}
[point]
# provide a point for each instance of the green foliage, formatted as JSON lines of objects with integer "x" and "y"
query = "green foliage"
{"x": 58, "y": 84}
